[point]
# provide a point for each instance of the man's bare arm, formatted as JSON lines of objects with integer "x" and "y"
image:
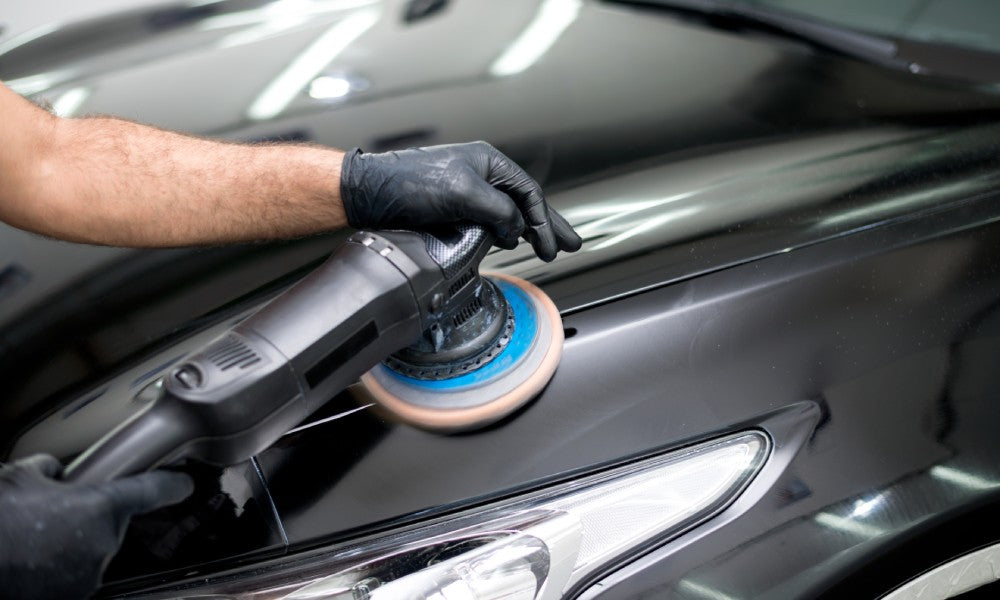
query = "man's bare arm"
{"x": 109, "y": 181}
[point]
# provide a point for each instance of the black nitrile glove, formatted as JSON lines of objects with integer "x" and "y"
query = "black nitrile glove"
{"x": 56, "y": 538}
{"x": 444, "y": 184}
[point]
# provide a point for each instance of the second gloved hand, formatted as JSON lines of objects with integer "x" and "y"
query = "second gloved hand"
{"x": 56, "y": 538}
{"x": 457, "y": 182}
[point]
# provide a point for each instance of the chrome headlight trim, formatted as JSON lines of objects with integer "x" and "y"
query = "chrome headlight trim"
{"x": 538, "y": 545}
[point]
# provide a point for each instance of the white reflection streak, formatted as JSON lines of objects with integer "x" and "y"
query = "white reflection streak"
{"x": 328, "y": 419}
{"x": 552, "y": 18}
{"x": 864, "y": 507}
{"x": 260, "y": 32}
{"x": 647, "y": 225}
{"x": 307, "y": 65}
{"x": 615, "y": 210}
{"x": 28, "y": 36}
{"x": 891, "y": 206}
{"x": 328, "y": 88}
{"x": 963, "y": 478}
{"x": 703, "y": 591}
{"x": 33, "y": 84}
{"x": 273, "y": 19}
{"x": 848, "y": 525}
{"x": 281, "y": 9}
{"x": 70, "y": 101}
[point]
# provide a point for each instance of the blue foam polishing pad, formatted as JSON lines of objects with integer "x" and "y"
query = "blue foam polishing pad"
{"x": 488, "y": 393}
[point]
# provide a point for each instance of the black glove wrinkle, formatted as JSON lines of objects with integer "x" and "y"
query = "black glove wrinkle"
{"x": 450, "y": 183}
{"x": 346, "y": 183}
{"x": 56, "y": 538}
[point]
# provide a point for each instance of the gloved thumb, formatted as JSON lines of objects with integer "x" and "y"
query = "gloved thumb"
{"x": 148, "y": 491}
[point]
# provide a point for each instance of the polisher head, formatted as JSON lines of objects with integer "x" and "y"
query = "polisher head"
{"x": 512, "y": 356}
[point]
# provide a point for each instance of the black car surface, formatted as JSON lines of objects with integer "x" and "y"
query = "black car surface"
{"x": 792, "y": 255}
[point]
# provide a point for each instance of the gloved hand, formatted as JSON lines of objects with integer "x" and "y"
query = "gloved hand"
{"x": 56, "y": 538}
{"x": 444, "y": 184}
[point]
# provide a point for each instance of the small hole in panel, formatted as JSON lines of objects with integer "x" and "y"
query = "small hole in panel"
{"x": 569, "y": 332}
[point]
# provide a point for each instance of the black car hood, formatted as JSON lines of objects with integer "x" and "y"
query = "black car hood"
{"x": 676, "y": 151}
{"x": 691, "y": 130}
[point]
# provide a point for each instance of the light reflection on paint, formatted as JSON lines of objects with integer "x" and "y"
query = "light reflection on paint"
{"x": 308, "y": 64}
{"x": 963, "y": 478}
{"x": 70, "y": 101}
{"x": 551, "y": 20}
{"x": 848, "y": 525}
{"x": 613, "y": 211}
{"x": 329, "y": 88}
{"x": 34, "y": 84}
{"x": 29, "y": 36}
{"x": 703, "y": 592}
{"x": 282, "y": 9}
{"x": 263, "y": 31}
{"x": 647, "y": 225}
{"x": 896, "y": 204}
{"x": 863, "y": 508}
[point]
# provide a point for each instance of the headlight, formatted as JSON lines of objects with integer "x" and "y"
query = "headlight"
{"x": 532, "y": 547}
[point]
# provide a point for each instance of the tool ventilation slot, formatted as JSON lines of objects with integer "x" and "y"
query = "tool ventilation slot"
{"x": 231, "y": 352}
{"x": 468, "y": 311}
{"x": 463, "y": 279}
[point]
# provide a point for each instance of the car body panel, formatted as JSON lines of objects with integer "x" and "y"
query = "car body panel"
{"x": 767, "y": 229}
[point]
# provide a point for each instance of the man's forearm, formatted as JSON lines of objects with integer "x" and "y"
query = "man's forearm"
{"x": 109, "y": 181}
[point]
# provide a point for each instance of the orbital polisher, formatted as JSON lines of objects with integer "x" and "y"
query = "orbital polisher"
{"x": 435, "y": 343}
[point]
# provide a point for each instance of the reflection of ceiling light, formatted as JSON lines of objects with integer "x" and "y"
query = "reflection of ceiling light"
{"x": 697, "y": 590}
{"x": 260, "y": 32}
{"x": 328, "y": 88}
{"x": 963, "y": 479}
{"x": 70, "y": 101}
{"x": 308, "y": 64}
{"x": 849, "y": 525}
{"x": 614, "y": 212}
{"x": 648, "y": 225}
{"x": 863, "y": 507}
{"x": 33, "y": 84}
{"x": 29, "y": 36}
{"x": 553, "y": 17}
{"x": 278, "y": 9}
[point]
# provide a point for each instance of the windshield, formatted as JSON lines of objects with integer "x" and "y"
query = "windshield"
{"x": 973, "y": 24}
{"x": 957, "y": 39}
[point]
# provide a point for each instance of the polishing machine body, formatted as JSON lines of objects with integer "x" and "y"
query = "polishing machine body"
{"x": 378, "y": 293}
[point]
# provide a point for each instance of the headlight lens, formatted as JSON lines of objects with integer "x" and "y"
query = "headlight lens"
{"x": 534, "y": 547}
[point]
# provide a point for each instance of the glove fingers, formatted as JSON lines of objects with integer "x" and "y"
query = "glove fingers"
{"x": 567, "y": 238}
{"x": 494, "y": 209}
{"x": 506, "y": 176}
{"x": 522, "y": 189}
{"x": 543, "y": 240}
{"x": 148, "y": 491}
{"x": 539, "y": 228}
{"x": 44, "y": 464}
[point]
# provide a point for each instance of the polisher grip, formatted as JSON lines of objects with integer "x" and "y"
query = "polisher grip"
{"x": 236, "y": 396}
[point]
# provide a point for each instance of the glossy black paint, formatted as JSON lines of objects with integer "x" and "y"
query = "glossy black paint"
{"x": 229, "y": 513}
{"x": 897, "y": 346}
{"x": 767, "y": 227}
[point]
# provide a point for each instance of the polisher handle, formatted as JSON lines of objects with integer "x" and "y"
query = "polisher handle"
{"x": 455, "y": 247}
{"x": 137, "y": 444}
{"x": 240, "y": 393}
